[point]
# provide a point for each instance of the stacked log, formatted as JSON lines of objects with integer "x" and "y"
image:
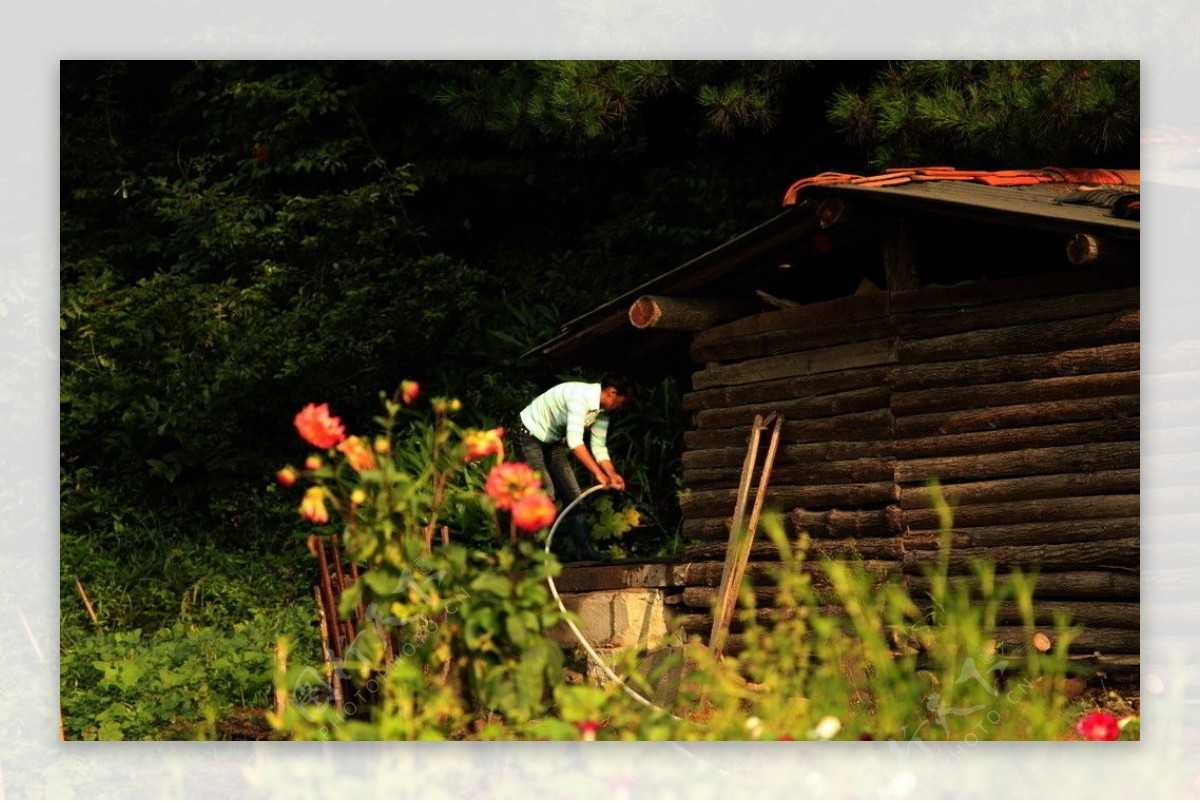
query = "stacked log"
{"x": 1030, "y": 422}
{"x": 1021, "y": 397}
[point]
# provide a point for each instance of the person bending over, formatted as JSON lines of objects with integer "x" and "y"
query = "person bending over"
{"x": 554, "y": 424}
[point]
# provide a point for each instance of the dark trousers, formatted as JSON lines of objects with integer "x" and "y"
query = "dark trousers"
{"x": 553, "y": 461}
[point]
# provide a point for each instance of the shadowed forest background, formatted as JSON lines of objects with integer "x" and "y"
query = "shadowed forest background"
{"x": 241, "y": 238}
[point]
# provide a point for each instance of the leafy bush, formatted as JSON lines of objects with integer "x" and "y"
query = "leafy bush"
{"x": 469, "y": 622}
{"x": 176, "y": 682}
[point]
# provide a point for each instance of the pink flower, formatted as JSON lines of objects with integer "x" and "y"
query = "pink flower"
{"x": 509, "y": 482}
{"x": 1098, "y": 726}
{"x": 409, "y": 392}
{"x": 484, "y": 443}
{"x": 318, "y": 428}
{"x": 588, "y": 729}
{"x": 286, "y": 476}
{"x": 357, "y": 454}
{"x": 534, "y": 512}
{"x": 312, "y": 507}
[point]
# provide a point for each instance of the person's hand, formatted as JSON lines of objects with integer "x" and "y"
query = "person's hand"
{"x": 603, "y": 480}
{"x": 615, "y": 481}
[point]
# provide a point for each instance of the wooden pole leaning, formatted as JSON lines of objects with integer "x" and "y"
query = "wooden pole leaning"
{"x": 741, "y": 537}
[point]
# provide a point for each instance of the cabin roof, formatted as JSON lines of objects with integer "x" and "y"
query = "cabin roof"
{"x": 1056, "y": 200}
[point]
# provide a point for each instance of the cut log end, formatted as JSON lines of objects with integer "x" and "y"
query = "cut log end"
{"x": 1083, "y": 249}
{"x": 644, "y": 313}
{"x": 686, "y": 314}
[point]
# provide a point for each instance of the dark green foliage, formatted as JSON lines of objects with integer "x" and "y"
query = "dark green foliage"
{"x": 583, "y": 101}
{"x": 278, "y": 266}
{"x": 138, "y": 576}
{"x": 996, "y": 114}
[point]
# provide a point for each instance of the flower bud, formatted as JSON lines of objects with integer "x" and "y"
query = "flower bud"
{"x": 409, "y": 391}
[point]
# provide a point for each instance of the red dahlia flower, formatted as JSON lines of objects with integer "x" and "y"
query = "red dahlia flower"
{"x": 318, "y": 428}
{"x": 1098, "y": 726}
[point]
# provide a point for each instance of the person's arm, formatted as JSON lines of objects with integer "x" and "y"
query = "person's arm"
{"x": 585, "y": 457}
{"x": 576, "y": 410}
{"x": 599, "y": 444}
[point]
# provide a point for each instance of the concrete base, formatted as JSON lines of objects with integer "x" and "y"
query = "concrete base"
{"x": 615, "y": 619}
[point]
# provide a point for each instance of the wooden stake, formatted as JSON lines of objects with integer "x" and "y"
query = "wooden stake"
{"x": 87, "y": 604}
{"x": 741, "y": 540}
{"x": 281, "y": 694}
{"x": 331, "y": 676}
{"x": 735, "y": 533}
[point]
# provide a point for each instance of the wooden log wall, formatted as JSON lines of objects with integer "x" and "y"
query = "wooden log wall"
{"x": 1021, "y": 397}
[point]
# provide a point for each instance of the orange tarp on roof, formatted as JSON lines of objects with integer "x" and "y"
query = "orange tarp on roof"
{"x": 895, "y": 176}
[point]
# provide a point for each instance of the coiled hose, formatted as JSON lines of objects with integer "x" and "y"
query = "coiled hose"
{"x": 587, "y": 646}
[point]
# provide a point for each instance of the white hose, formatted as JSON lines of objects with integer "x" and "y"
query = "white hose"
{"x": 578, "y": 634}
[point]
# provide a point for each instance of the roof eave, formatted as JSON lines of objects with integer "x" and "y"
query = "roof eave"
{"x": 775, "y": 233}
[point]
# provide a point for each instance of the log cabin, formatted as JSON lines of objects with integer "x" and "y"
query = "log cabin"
{"x": 977, "y": 328}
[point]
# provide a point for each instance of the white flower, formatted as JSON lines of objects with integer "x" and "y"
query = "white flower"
{"x": 826, "y": 728}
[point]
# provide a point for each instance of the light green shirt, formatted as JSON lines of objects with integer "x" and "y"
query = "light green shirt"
{"x": 563, "y": 413}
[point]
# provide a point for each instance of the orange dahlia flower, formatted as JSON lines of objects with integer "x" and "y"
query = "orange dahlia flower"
{"x": 534, "y": 512}
{"x": 358, "y": 454}
{"x": 484, "y": 443}
{"x": 509, "y": 482}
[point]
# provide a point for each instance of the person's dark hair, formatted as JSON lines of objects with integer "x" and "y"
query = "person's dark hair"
{"x": 620, "y": 383}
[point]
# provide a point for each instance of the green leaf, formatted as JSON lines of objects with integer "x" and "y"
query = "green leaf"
{"x": 491, "y": 584}
{"x": 515, "y": 629}
{"x": 111, "y": 730}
